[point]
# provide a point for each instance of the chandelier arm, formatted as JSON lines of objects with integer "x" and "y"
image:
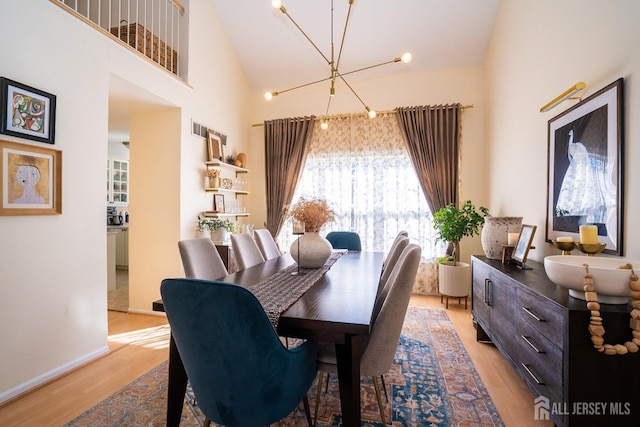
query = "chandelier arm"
{"x": 338, "y": 74}
{"x": 353, "y": 91}
{"x": 344, "y": 33}
{"x": 283, "y": 10}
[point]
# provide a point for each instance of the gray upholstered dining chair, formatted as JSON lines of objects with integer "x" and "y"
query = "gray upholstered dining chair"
{"x": 393, "y": 246}
{"x": 379, "y": 348}
{"x": 201, "y": 259}
{"x": 266, "y": 244}
{"x": 246, "y": 251}
{"x": 398, "y": 246}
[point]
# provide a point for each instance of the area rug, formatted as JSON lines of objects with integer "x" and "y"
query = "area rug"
{"x": 431, "y": 383}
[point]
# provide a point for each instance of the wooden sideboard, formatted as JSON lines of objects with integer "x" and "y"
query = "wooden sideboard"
{"x": 542, "y": 332}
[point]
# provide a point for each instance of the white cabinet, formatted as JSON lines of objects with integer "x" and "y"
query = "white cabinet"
{"x": 122, "y": 248}
{"x": 118, "y": 182}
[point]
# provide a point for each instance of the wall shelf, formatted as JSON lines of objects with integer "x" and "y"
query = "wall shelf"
{"x": 220, "y": 164}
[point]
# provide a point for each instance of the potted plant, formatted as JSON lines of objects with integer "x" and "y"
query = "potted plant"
{"x": 452, "y": 224}
{"x": 218, "y": 227}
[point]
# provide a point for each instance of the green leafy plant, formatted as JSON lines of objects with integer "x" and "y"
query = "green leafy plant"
{"x": 453, "y": 223}
{"x": 212, "y": 224}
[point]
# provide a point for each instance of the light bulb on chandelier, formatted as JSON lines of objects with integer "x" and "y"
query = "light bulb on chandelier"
{"x": 333, "y": 65}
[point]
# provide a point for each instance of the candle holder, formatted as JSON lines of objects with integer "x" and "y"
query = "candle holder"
{"x": 565, "y": 247}
{"x": 591, "y": 249}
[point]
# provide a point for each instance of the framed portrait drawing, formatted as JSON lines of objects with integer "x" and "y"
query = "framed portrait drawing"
{"x": 27, "y": 112}
{"x": 521, "y": 250}
{"x": 214, "y": 147}
{"x": 218, "y": 203}
{"x": 585, "y": 169}
{"x": 30, "y": 180}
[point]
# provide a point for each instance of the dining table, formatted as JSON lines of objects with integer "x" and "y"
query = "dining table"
{"x": 336, "y": 309}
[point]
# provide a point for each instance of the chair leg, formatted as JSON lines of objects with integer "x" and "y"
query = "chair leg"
{"x": 315, "y": 412}
{"x": 377, "y": 388}
{"x": 326, "y": 388}
{"x": 207, "y": 422}
{"x": 307, "y": 410}
{"x": 384, "y": 387}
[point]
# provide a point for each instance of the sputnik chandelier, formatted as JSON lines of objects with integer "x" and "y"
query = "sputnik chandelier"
{"x": 334, "y": 64}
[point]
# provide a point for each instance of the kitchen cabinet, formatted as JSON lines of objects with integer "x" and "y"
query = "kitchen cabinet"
{"x": 122, "y": 248}
{"x": 118, "y": 182}
{"x": 543, "y": 333}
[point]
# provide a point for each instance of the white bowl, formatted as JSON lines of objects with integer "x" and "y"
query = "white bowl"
{"x": 611, "y": 281}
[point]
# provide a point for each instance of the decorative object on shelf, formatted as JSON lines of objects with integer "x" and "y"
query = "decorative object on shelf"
{"x": 27, "y": 112}
{"x": 521, "y": 251}
{"x": 242, "y": 158}
{"x": 495, "y": 234}
{"x": 218, "y": 228}
{"x": 596, "y": 328}
{"x": 214, "y": 178}
{"x": 227, "y": 183}
{"x": 230, "y": 159}
{"x": 214, "y": 146}
{"x": 586, "y": 169}
{"x": 218, "y": 203}
{"x": 311, "y": 250}
{"x": 591, "y": 249}
{"x": 31, "y": 178}
{"x": 333, "y": 64}
{"x": 565, "y": 244}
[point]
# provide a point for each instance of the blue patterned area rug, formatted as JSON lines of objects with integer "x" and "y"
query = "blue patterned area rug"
{"x": 431, "y": 383}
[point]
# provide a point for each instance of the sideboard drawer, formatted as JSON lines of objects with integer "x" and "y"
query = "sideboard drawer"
{"x": 535, "y": 349}
{"x": 544, "y": 316}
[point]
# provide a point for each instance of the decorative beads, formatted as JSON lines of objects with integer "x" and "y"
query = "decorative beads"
{"x": 596, "y": 329}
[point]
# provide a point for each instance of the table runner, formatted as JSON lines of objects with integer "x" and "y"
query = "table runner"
{"x": 278, "y": 292}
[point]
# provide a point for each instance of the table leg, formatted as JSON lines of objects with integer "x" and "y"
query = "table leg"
{"x": 177, "y": 386}
{"x": 348, "y": 359}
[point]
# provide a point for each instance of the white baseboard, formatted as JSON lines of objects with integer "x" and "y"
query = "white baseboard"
{"x": 51, "y": 375}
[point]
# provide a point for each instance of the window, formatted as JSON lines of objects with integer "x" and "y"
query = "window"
{"x": 360, "y": 166}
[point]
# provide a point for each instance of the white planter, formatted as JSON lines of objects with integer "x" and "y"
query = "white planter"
{"x": 495, "y": 233}
{"x": 315, "y": 250}
{"x": 220, "y": 235}
{"x": 454, "y": 281}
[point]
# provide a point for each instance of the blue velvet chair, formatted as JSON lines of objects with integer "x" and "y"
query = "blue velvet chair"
{"x": 344, "y": 240}
{"x": 239, "y": 370}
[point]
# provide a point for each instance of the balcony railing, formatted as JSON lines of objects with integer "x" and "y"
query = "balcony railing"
{"x": 156, "y": 29}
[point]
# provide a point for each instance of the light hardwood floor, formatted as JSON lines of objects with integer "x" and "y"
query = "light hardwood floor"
{"x": 138, "y": 343}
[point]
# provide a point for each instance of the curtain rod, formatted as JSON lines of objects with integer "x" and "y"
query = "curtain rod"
{"x": 341, "y": 116}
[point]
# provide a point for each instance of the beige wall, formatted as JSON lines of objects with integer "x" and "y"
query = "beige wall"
{"x": 538, "y": 50}
{"x": 53, "y": 275}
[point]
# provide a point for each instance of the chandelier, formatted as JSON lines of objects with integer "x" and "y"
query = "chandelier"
{"x": 333, "y": 63}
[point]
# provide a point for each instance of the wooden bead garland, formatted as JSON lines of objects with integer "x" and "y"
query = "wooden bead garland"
{"x": 596, "y": 329}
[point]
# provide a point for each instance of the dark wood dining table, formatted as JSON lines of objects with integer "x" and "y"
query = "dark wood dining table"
{"x": 336, "y": 309}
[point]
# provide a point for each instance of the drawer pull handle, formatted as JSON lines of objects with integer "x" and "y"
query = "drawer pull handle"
{"x": 526, "y": 368}
{"x": 531, "y": 345}
{"x": 532, "y": 315}
{"x": 487, "y": 290}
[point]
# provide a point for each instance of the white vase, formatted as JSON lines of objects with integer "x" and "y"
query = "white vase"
{"x": 315, "y": 250}
{"x": 495, "y": 233}
{"x": 220, "y": 235}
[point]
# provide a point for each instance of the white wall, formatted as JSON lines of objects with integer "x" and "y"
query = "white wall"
{"x": 53, "y": 278}
{"x": 385, "y": 93}
{"x": 538, "y": 50}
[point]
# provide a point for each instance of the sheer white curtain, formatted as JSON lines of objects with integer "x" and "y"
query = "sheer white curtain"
{"x": 361, "y": 167}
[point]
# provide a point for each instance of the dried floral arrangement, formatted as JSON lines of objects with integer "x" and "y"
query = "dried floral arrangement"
{"x": 314, "y": 213}
{"x": 213, "y": 173}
